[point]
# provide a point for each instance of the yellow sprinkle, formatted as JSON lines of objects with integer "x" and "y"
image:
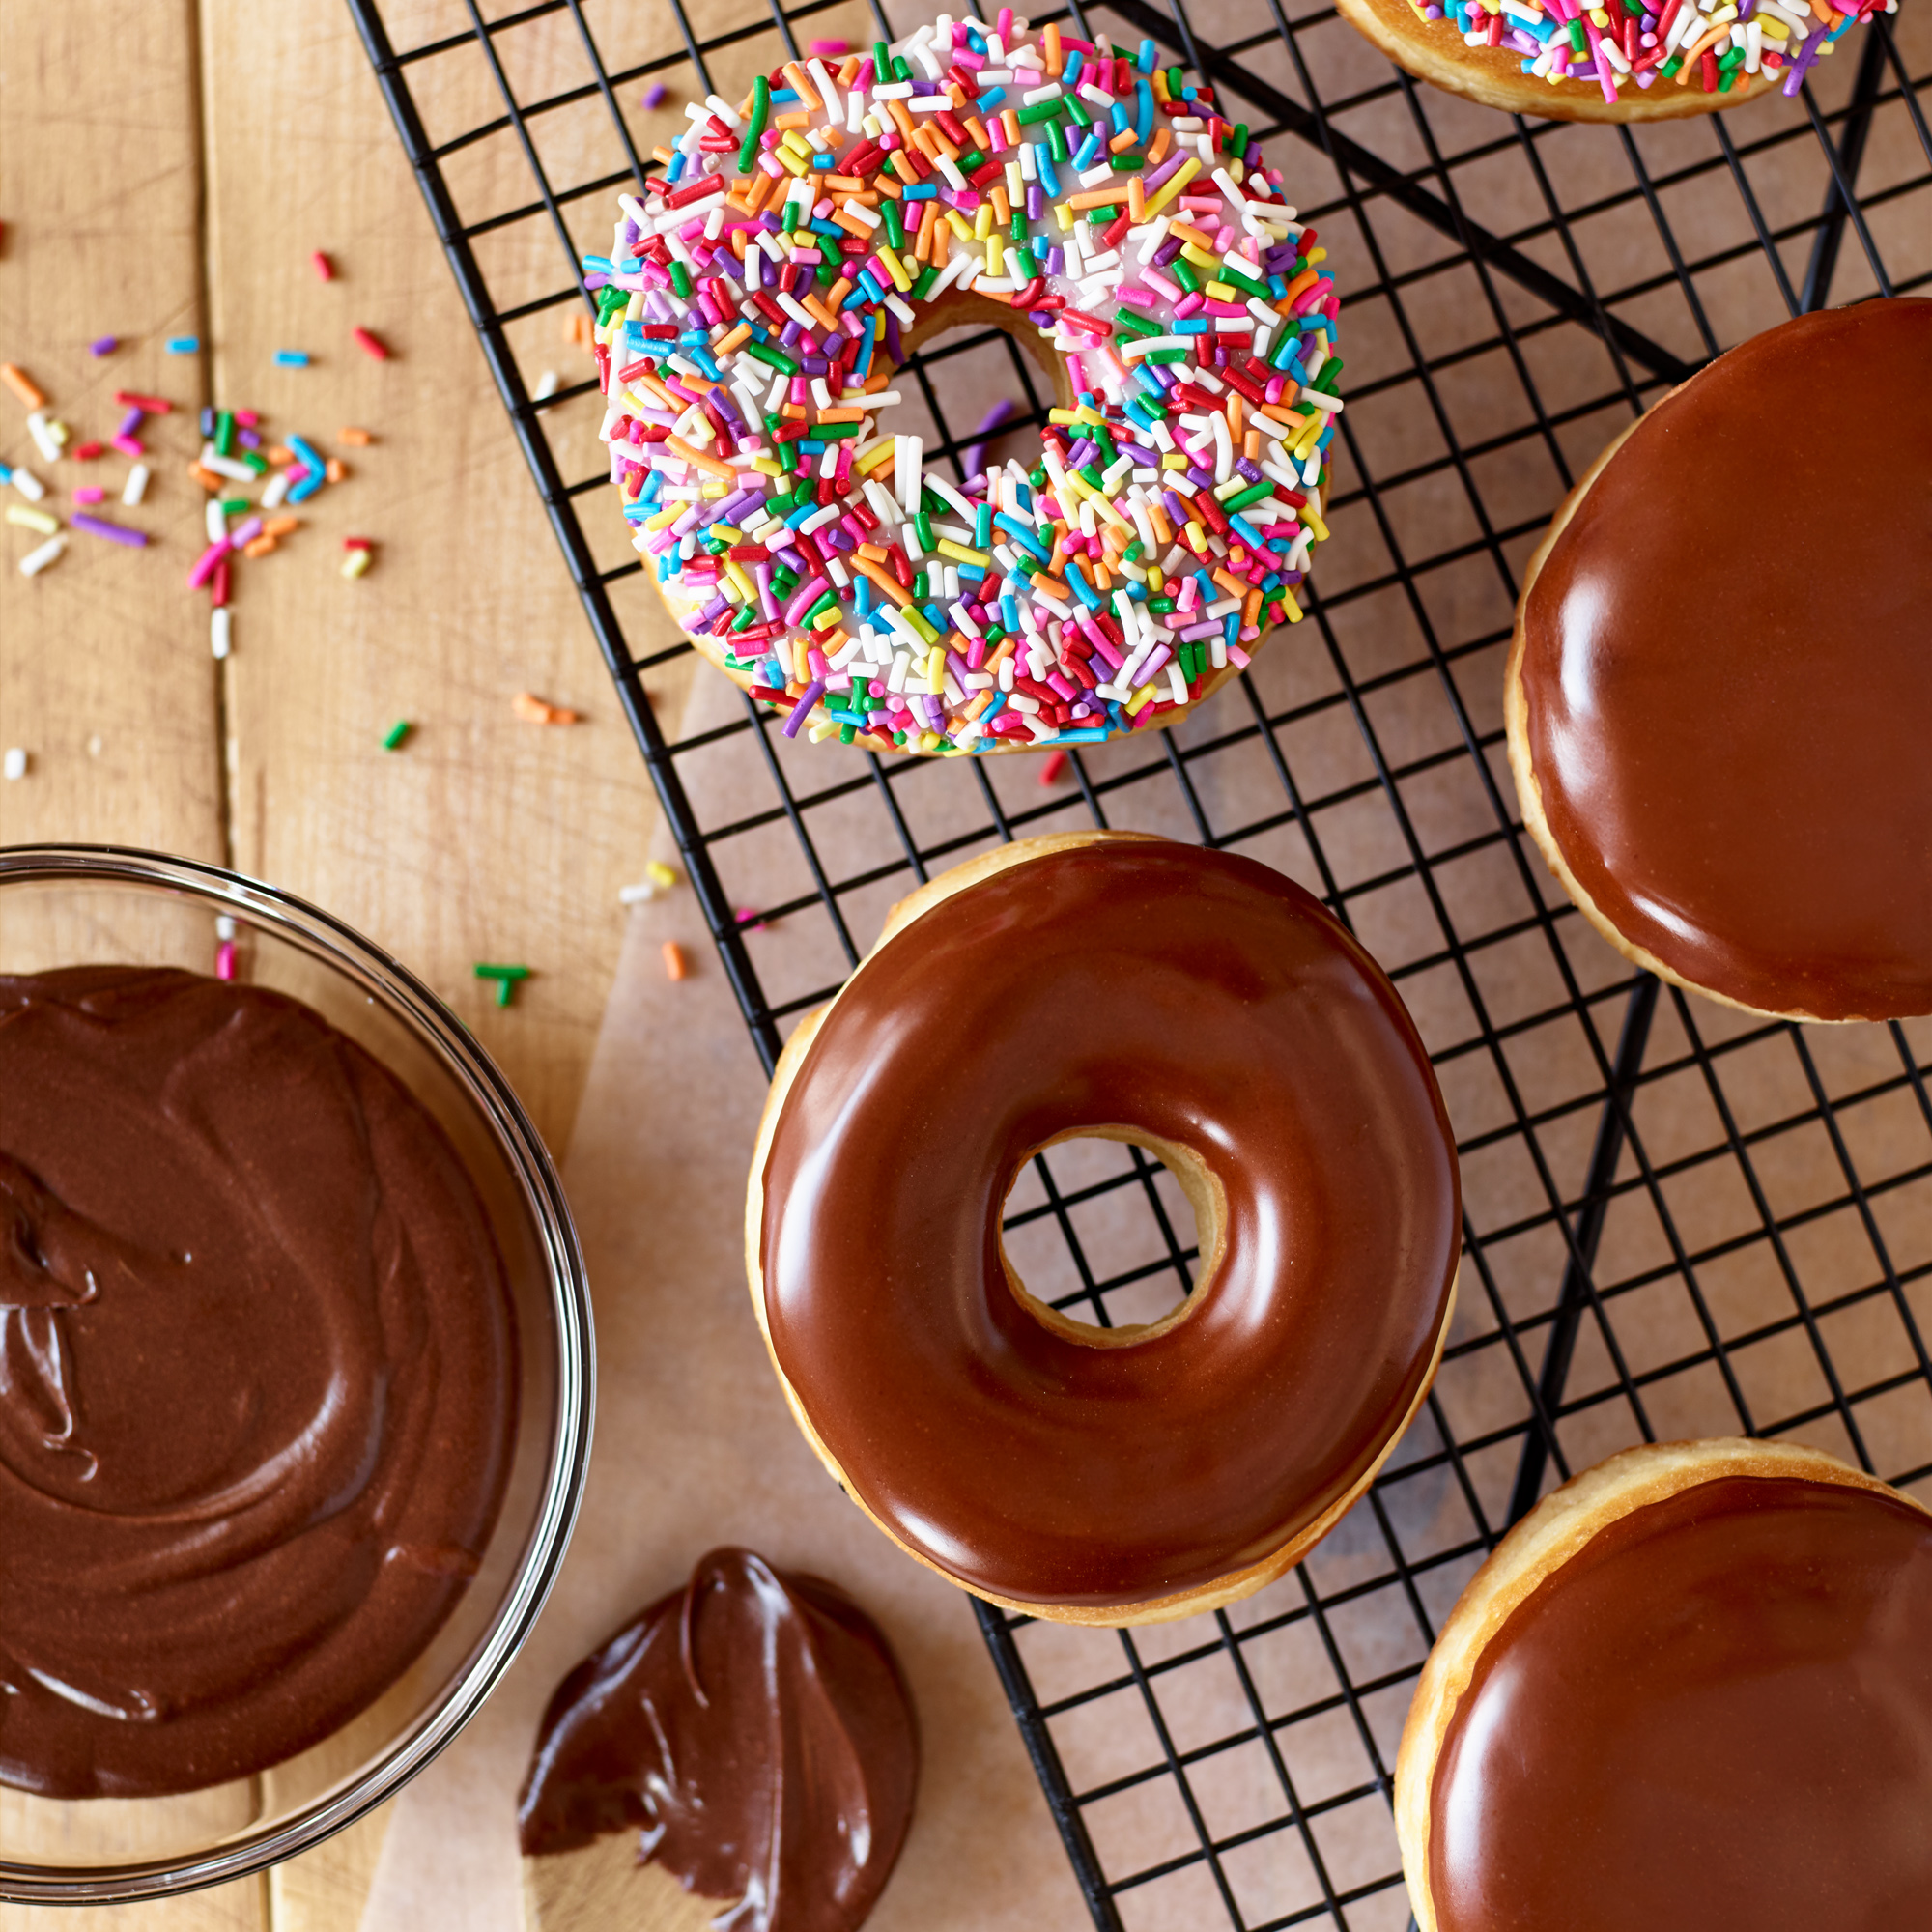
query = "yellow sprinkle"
{"x": 995, "y": 255}
{"x": 1192, "y": 251}
{"x": 895, "y": 268}
{"x": 1293, "y": 608}
{"x": 661, "y": 875}
{"x": 959, "y": 225}
{"x": 825, "y": 619}
{"x": 1140, "y": 698}
{"x": 1173, "y": 185}
{"x": 740, "y": 583}
{"x": 872, "y": 458}
{"x": 31, "y": 520}
{"x": 960, "y": 553}
{"x": 1222, "y": 291}
{"x": 935, "y": 672}
{"x": 356, "y": 563}
{"x": 982, "y": 221}
{"x": 664, "y": 518}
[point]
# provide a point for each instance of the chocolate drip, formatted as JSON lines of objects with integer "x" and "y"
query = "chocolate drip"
{"x": 257, "y": 1381}
{"x": 1728, "y": 673}
{"x": 1717, "y": 1717}
{"x": 1194, "y": 996}
{"x": 754, "y": 1727}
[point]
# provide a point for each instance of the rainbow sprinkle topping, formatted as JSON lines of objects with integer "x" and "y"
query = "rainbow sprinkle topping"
{"x": 1710, "y": 42}
{"x": 755, "y": 307}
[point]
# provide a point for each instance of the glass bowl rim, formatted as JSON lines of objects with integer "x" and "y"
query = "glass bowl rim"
{"x": 569, "y": 1446}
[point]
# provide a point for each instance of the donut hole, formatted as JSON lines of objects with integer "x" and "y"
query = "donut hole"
{"x": 972, "y": 364}
{"x": 1102, "y": 1233}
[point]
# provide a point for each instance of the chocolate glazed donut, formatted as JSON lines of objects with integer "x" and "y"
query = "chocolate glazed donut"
{"x": 1107, "y": 985}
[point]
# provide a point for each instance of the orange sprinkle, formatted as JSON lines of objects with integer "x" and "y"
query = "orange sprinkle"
{"x": 335, "y": 469}
{"x": 690, "y": 453}
{"x": 539, "y": 711}
{"x": 1099, "y": 197}
{"x": 1159, "y": 148}
{"x": 277, "y": 453}
{"x": 886, "y": 581}
{"x": 261, "y": 547}
{"x": 21, "y": 384}
{"x": 673, "y": 959}
{"x": 354, "y": 438}
{"x": 803, "y": 86}
{"x": 281, "y": 526}
{"x": 207, "y": 478}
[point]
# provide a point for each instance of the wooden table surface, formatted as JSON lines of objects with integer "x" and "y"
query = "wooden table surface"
{"x": 179, "y": 188}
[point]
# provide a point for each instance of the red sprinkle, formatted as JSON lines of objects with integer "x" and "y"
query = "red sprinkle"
{"x": 369, "y": 344}
{"x": 323, "y": 268}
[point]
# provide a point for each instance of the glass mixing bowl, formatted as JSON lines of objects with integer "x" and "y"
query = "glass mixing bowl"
{"x": 86, "y": 905}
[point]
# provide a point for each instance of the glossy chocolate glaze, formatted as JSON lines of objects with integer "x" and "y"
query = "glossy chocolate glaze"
{"x": 1195, "y": 996}
{"x": 1728, "y": 672}
{"x": 1717, "y": 1717}
{"x": 755, "y": 1727}
{"x": 257, "y": 1381}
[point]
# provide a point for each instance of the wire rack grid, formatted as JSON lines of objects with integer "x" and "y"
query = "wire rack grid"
{"x": 1677, "y": 1221}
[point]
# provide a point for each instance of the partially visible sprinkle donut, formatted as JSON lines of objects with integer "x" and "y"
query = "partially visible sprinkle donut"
{"x": 749, "y": 326}
{"x": 1710, "y": 44}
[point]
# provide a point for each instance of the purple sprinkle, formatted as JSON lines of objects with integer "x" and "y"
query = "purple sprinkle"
{"x": 655, "y": 94}
{"x": 131, "y": 422}
{"x": 99, "y": 527}
{"x": 893, "y": 337}
{"x": 813, "y": 692}
{"x": 106, "y": 346}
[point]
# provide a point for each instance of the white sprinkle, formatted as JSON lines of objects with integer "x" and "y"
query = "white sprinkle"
{"x": 225, "y": 465}
{"x": 136, "y": 486}
{"x": 27, "y": 483}
{"x": 45, "y": 439}
{"x": 217, "y": 524}
{"x": 15, "y": 764}
{"x": 219, "y": 639}
{"x": 1319, "y": 400}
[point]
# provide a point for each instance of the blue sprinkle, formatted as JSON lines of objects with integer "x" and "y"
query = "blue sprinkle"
{"x": 184, "y": 345}
{"x": 291, "y": 359}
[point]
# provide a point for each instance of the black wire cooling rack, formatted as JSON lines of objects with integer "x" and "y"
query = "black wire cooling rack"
{"x": 1677, "y": 1221}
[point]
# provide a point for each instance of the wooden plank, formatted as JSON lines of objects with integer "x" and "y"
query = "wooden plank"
{"x": 105, "y": 679}
{"x": 484, "y": 837}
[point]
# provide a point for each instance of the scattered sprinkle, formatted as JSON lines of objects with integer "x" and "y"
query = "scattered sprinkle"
{"x": 507, "y": 979}
{"x": 104, "y": 345}
{"x": 1053, "y": 767}
{"x": 352, "y": 438}
{"x": 224, "y": 960}
{"x": 26, "y": 482}
{"x": 831, "y": 49}
{"x": 23, "y": 386}
{"x": 749, "y": 328}
{"x": 291, "y": 359}
{"x": 89, "y": 492}
{"x": 100, "y": 527}
{"x": 673, "y": 959}
{"x": 184, "y": 345}
{"x": 547, "y": 384}
{"x": 150, "y": 405}
{"x": 394, "y": 737}
{"x": 540, "y": 711}
{"x": 136, "y": 485}
{"x": 325, "y": 268}
{"x": 750, "y": 920}
{"x": 36, "y": 560}
{"x": 50, "y": 437}
{"x": 219, "y": 636}
{"x": 15, "y": 764}
{"x": 356, "y": 563}
{"x": 369, "y": 344}
{"x": 31, "y": 520}
{"x": 662, "y": 877}
{"x": 655, "y": 94}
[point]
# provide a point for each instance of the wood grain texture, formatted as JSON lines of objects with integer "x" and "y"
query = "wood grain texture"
{"x": 105, "y": 678}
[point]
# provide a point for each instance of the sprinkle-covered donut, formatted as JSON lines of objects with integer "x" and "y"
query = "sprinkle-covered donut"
{"x": 1618, "y": 60}
{"x": 1191, "y": 1001}
{"x": 759, "y": 299}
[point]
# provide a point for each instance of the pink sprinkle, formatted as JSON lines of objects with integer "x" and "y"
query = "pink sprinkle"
{"x": 224, "y": 960}
{"x": 831, "y": 49}
{"x": 323, "y": 268}
{"x": 90, "y": 493}
{"x": 130, "y": 445}
{"x": 204, "y": 567}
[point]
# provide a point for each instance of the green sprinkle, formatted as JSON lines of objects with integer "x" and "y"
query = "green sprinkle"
{"x": 1080, "y": 117}
{"x": 233, "y": 506}
{"x": 927, "y": 277}
{"x": 894, "y": 228}
{"x": 681, "y": 280}
{"x": 1127, "y": 165}
{"x": 224, "y": 433}
{"x": 1055, "y": 142}
{"x": 922, "y": 524}
{"x": 505, "y": 977}
{"x": 1237, "y": 141}
{"x": 1183, "y": 274}
{"x": 609, "y": 301}
{"x": 1041, "y": 110}
{"x": 762, "y": 106}
{"x": 397, "y": 733}
{"x": 775, "y": 358}
{"x": 1253, "y": 493}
